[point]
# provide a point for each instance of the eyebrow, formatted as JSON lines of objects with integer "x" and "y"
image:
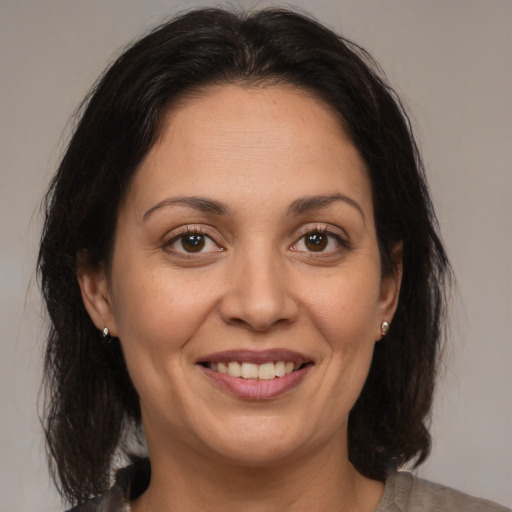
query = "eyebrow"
{"x": 299, "y": 206}
{"x": 308, "y": 203}
{"x": 201, "y": 204}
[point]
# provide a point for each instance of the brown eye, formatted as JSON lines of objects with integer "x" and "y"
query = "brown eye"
{"x": 320, "y": 242}
{"x": 316, "y": 242}
{"x": 193, "y": 242}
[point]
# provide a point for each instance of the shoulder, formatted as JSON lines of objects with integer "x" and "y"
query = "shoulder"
{"x": 407, "y": 493}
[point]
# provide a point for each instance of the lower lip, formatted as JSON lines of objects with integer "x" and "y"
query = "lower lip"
{"x": 255, "y": 389}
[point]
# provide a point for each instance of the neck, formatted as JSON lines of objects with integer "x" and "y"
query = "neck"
{"x": 321, "y": 481}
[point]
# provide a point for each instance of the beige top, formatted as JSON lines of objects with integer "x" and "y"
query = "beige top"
{"x": 406, "y": 493}
{"x": 403, "y": 492}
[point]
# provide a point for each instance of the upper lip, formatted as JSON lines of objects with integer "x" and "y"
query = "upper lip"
{"x": 256, "y": 356}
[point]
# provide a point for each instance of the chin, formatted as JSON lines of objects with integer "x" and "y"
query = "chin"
{"x": 261, "y": 442}
{"x": 258, "y": 455}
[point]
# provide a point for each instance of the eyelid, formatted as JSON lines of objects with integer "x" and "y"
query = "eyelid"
{"x": 174, "y": 235}
{"x": 336, "y": 232}
{"x": 319, "y": 227}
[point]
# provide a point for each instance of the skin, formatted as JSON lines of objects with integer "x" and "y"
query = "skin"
{"x": 255, "y": 285}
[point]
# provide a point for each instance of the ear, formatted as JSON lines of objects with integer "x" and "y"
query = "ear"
{"x": 93, "y": 283}
{"x": 390, "y": 290}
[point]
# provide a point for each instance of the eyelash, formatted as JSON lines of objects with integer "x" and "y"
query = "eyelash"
{"x": 206, "y": 238}
{"x": 323, "y": 230}
{"x": 188, "y": 231}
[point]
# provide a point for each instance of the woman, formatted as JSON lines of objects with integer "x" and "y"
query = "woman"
{"x": 240, "y": 257}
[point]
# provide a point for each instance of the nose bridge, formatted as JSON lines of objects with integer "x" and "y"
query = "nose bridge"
{"x": 259, "y": 295}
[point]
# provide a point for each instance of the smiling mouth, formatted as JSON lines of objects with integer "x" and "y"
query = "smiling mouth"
{"x": 245, "y": 370}
{"x": 256, "y": 374}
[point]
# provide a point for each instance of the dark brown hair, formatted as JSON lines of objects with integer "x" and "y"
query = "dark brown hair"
{"x": 90, "y": 398}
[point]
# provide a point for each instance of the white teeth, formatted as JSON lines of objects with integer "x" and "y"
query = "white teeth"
{"x": 249, "y": 371}
{"x": 234, "y": 369}
{"x": 280, "y": 369}
{"x": 265, "y": 371}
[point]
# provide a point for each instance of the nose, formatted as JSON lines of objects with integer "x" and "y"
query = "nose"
{"x": 259, "y": 295}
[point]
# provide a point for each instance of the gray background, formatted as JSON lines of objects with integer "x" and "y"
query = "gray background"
{"x": 451, "y": 62}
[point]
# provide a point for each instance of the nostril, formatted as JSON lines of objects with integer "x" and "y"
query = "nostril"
{"x": 256, "y": 324}
{"x": 258, "y": 298}
{"x": 239, "y": 322}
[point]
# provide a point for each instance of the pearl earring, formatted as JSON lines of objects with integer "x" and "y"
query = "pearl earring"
{"x": 105, "y": 336}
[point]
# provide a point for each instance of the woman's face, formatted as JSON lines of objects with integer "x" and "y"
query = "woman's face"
{"x": 246, "y": 244}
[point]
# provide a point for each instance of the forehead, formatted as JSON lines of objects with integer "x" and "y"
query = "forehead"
{"x": 251, "y": 139}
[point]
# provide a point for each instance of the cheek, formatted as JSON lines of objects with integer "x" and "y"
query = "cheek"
{"x": 160, "y": 305}
{"x": 345, "y": 311}
{"x": 157, "y": 313}
{"x": 344, "y": 307}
